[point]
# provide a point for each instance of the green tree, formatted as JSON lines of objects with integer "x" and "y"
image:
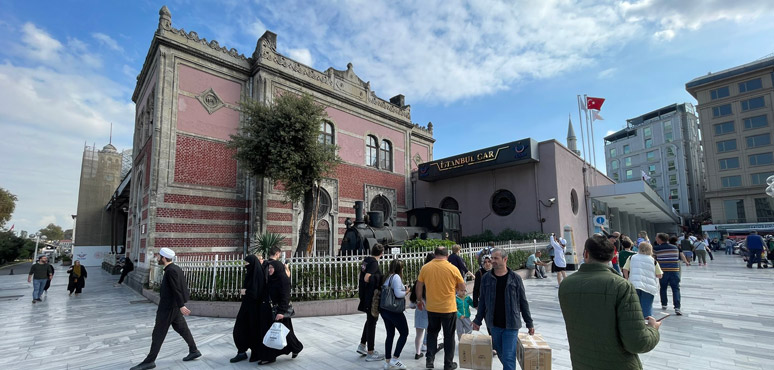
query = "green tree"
{"x": 281, "y": 141}
{"x": 7, "y": 206}
{"x": 10, "y": 246}
{"x": 53, "y": 232}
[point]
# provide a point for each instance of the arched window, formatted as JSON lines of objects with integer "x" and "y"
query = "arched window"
{"x": 385, "y": 156}
{"x": 324, "y": 206}
{"x": 326, "y": 133}
{"x": 372, "y": 150}
{"x": 450, "y": 203}
{"x": 322, "y": 239}
{"x": 381, "y": 203}
{"x": 614, "y": 164}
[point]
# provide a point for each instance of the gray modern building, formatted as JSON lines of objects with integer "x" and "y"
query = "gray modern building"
{"x": 736, "y": 111}
{"x": 663, "y": 148}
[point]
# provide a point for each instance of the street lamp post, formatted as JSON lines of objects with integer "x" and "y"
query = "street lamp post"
{"x": 37, "y": 241}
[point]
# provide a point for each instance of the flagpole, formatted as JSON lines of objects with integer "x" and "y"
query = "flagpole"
{"x": 588, "y": 130}
{"x": 580, "y": 122}
{"x": 593, "y": 144}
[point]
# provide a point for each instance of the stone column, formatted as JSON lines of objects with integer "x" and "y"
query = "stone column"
{"x": 633, "y": 227}
{"x": 615, "y": 220}
{"x": 624, "y": 222}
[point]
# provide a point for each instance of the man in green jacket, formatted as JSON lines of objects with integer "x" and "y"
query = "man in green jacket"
{"x": 602, "y": 314}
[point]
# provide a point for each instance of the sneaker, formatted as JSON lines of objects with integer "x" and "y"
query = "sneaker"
{"x": 454, "y": 366}
{"x": 361, "y": 349}
{"x": 144, "y": 366}
{"x": 39, "y": 300}
{"x": 239, "y": 357}
{"x": 376, "y": 356}
{"x": 424, "y": 348}
{"x": 396, "y": 364}
{"x": 192, "y": 356}
{"x": 663, "y": 308}
{"x": 418, "y": 356}
{"x": 34, "y": 301}
{"x": 677, "y": 312}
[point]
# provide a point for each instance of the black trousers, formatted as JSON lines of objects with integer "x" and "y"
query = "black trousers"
{"x": 436, "y": 322}
{"x": 123, "y": 276}
{"x": 369, "y": 331}
{"x": 164, "y": 318}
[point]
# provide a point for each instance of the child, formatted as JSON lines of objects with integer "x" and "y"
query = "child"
{"x": 463, "y": 313}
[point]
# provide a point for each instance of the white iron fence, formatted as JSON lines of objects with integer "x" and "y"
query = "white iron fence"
{"x": 220, "y": 277}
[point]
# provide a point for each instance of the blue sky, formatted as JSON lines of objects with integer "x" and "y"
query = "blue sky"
{"x": 484, "y": 72}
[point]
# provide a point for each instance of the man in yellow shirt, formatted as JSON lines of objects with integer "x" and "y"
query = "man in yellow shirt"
{"x": 442, "y": 280}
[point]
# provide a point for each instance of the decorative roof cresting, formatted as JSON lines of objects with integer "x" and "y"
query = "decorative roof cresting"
{"x": 165, "y": 25}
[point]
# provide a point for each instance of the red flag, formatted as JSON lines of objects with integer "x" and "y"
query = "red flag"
{"x": 12, "y": 226}
{"x": 594, "y": 103}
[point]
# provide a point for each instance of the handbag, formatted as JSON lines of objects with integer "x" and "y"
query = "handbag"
{"x": 289, "y": 312}
{"x": 389, "y": 302}
{"x": 276, "y": 337}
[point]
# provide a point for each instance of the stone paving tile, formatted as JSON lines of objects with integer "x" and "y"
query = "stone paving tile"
{"x": 728, "y": 323}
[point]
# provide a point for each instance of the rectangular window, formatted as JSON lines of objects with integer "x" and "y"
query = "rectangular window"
{"x": 668, "y": 126}
{"x": 671, "y": 165}
{"x": 721, "y": 110}
{"x": 615, "y": 176}
{"x": 648, "y": 143}
{"x": 734, "y": 210}
{"x": 652, "y": 170}
{"x": 750, "y": 85}
{"x": 724, "y": 128}
{"x": 752, "y": 104}
{"x": 614, "y": 164}
{"x": 731, "y": 181}
{"x": 760, "y": 178}
{"x": 726, "y": 145}
{"x": 628, "y": 161}
{"x": 669, "y": 137}
{"x": 676, "y": 206}
{"x": 612, "y": 152}
{"x": 647, "y": 131}
{"x": 626, "y": 149}
{"x": 651, "y": 155}
{"x": 674, "y": 194}
{"x": 729, "y": 163}
{"x": 761, "y": 159}
{"x": 720, "y": 92}
{"x": 754, "y": 122}
{"x": 670, "y": 152}
{"x": 629, "y": 174}
{"x": 758, "y": 140}
{"x": 764, "y": 209}
{"x": 673, "y": 179}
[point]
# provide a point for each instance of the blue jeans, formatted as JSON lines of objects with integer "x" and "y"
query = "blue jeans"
{"x": 730, "y": 250}
{"x": 754, "y": 257}
{"x": 504, "y": 342}
{"x": 670, "y": 279}
{"x": 37, "y": 287}
{"x": 646, "y": 302}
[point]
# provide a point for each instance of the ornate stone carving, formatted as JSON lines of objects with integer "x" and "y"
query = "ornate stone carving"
{"x": 165, "y": 25}
{"x": 210, "y": 100}
{"x": 417, "y": 159}
{"x": 381, "y": 103}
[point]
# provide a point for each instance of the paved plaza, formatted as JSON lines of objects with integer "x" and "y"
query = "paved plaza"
{"x": 728, "y": 323}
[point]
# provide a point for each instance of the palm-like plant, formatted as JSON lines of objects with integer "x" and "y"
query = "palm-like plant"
{"x": 264, "y": 242}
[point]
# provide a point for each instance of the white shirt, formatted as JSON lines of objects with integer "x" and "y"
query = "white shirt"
{"x": 558, "y": 254}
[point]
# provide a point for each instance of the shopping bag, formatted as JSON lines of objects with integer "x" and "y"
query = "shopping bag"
{"x": 276, "y": 337}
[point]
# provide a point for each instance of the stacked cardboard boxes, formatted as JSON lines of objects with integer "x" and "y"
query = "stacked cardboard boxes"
{"x": 475, "y": 352}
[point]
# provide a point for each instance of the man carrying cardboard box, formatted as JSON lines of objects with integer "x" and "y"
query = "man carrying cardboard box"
{"x": 502, "y": 303}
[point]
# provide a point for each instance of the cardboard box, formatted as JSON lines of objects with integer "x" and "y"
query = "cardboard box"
{"x": 482, "y": 352}
{"x": 466, "y": 351}
{"x": 533, "y": 352}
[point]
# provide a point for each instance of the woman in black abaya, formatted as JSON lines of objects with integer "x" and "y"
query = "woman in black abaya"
{"x": 248, "y": 321}
{"x": 277, "y": 295}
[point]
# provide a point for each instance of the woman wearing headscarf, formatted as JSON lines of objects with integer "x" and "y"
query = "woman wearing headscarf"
{"x": 247, "y": 325}
{"x": 77, "y": 278}
{"x": 275, "y": 307}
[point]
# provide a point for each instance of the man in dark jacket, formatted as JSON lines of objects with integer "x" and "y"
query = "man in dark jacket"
{"x": 369, "y": 280}
{"x": 602, "y": 314}
{"x": 502, "y": 303}
{"x": 127, "y": 268}
{"x": 173, "y": 296}
{"x": 754, "y": 244}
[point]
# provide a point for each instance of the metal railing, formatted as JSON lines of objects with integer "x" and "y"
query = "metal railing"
{"x": 220, "y": 276}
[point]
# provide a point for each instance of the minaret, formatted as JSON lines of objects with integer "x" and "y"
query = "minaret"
{"x": 572, "y": 141}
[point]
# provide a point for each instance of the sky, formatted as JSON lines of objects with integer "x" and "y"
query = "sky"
{"x": 484, "y": 72}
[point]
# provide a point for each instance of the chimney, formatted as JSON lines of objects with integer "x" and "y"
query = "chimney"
{"x": 398, "y": 100}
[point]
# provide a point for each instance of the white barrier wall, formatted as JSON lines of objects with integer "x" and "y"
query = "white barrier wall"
{"x": 90, "y": 255}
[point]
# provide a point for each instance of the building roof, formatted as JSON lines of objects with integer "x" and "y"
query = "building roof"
{"x": 637, "y": 198}
{"x": 731, "y": 72}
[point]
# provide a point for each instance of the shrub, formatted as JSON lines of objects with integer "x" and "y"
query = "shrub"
{"x": 265, "y": 241}
{"x": 518, "y": 259}
{"x": 426, "y": 245}
{"x": 505, "y": 235}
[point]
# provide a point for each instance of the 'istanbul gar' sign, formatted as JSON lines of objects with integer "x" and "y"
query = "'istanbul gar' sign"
{"x": 521, "y": 151}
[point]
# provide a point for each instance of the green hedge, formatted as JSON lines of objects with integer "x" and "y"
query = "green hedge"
{"x": 428, "y": 245}
{"x": 505, "y": 235}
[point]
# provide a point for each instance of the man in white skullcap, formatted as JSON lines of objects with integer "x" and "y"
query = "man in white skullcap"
{"x": 560, "y": 263}
{"x": 173, "y": 296}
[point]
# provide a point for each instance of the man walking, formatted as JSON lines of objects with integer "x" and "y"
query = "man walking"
{"x": 502, "y": 303}
{"x": 173, "y": 296}
{"x": 126, "y": 269}
{"x": 668, "y": 257}
{"x": 536, "y": 266}
{"x": 754, "y": 243}
{"x": 602, "y": 314}
{"x": 442, "y": 280}
{"x": 729, "y": 246}
{"x": 39, "y": 275}
{"x": 369, "y": 280}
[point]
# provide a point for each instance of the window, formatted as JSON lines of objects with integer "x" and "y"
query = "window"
{"x": 371, "y": 151}
{"x": 724, "y": 128}
{"x": 381, "y": 203}
{"x": 758, "y": 140}
{"x": 326, "y": 133}
{"x": 721, "y": 110}
{"x": 750, "y": 85}
{"x": 647, "y": 131}
{"x": 651, "y": 170}
{"x": 734, "y": 210}
{"x": 668, "y": 126}
{"x": 612, "y": 152}
{"x": 626, "y": 149}
{"x": 648, "y": 143}
{"x": 729, "y": 163}
{"x": 450, "y": 203}
{"x": 676, "y": 206}
{"x": 671, "y": 165}
{"x": 650, "y": 155}
{"x": 653, "y": 182}
{"x": 760, "y": 178}
{"x": 752, "y": 104}
{"x": 385, "y": 156}
{"x": 726, "y": 145}
{"x": 629, "y": 174}
{"x": 764, "y": 209}
{"x": 322, "y": 238}
{"x": 731, "y": 181}
{"x": 574, "y": 201}
{"x": 503, "y": 202}
{"x": 615, "y": 177}
{"x": 673, "y": 179}
{"x": 761, "y": 159}
{"x": 755, "y": 122}
{"x": 720, "y": 92}
{"x": 614, "y": 164}
{"x": 628, "y": 161}
{"x": 670, "y": 151}
{"x": 669, "y": 137}
{"x": 674, "y": 194}
{"x": 324, "y": 205}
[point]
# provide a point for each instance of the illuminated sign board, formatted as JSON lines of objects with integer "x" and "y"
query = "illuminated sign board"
{"x": 509, "y": 154}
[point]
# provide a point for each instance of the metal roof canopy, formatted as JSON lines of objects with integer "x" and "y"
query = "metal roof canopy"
{"x": 636, "y": 198}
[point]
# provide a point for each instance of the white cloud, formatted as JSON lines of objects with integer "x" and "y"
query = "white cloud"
{"x": 107, "y": 41}
{"x": 610, "y": 132}
{"x": 39, "y": 44}
{"x": 607, "y": 73}
{"x": 301, "y": 55}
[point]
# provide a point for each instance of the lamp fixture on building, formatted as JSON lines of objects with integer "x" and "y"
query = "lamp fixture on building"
{"x": 551, "y": 202}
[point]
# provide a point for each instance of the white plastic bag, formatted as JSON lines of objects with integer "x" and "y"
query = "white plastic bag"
{"x": 276, "y": 337}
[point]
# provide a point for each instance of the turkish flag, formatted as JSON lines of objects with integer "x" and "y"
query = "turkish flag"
{"x": 594, "y": 103}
